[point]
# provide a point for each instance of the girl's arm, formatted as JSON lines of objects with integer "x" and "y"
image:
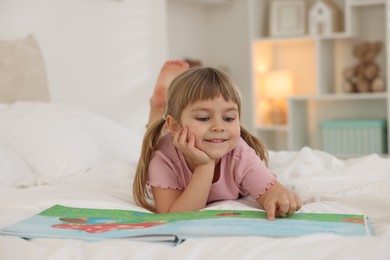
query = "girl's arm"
{"x": 194, "y": 197}
{"x": 277, "y": 201}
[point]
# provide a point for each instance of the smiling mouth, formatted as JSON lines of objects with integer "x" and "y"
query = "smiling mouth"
{"x": 215, "y": 140}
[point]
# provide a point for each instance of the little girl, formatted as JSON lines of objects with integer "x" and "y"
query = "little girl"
{"x": 206, "y": 155}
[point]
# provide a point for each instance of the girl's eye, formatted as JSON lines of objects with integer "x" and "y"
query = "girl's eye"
{"x": 202, "y": 119}
{"x": 228, "y": 119}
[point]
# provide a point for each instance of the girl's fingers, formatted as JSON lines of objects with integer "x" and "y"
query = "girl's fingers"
{"x": 186, "y": 144}
{"x": 270, "y": 209}
{"x": 183, "y": 136}
{"x": 293, "y": 208}
{"x": 283, "y": 206}
{"x": 298, "y": 201}
{"x": 191, "y": 141}
{"x": 295, "y": 203}
{"x": 179, "y": 139}
{"x": 176, "y": 137}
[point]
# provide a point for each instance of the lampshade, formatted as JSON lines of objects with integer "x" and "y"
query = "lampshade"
{"x": 278, "y": 84}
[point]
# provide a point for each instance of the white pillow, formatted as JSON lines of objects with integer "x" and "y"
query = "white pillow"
{"x": 57, "y": 140}
{"x": 13, "y": 170}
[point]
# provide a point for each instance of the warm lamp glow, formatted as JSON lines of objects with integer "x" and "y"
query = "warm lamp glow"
{"x": 261, "y": 68}
{"x": 278, "y": 84}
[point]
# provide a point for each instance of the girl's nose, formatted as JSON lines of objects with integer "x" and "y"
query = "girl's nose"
{"x": 217, "y": 127}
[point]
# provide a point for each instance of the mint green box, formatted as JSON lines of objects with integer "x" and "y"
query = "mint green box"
{"x": 351, "y": 137}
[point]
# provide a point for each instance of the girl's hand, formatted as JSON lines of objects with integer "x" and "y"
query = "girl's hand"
{"x": 187, "y": 147}
{"x": 279, "y": 202}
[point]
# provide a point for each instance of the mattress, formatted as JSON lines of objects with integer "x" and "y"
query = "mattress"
{"x": 57, "y": 154}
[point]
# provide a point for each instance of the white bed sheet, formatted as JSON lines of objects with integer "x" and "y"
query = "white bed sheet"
{"x": 325, "y": 184}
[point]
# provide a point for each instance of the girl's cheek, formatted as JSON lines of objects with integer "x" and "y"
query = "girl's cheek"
{"x": 193, "y": 130}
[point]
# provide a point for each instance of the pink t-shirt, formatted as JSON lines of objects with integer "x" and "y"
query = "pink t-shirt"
{"x": 242, "y": 172}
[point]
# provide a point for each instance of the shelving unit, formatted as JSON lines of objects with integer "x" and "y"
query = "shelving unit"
{"x": 317, "y": 62}
{"x": 206, "y": 3}
{"x": 234, "y": 34}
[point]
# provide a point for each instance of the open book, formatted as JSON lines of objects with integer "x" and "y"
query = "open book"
{"x": 99, "y": 224}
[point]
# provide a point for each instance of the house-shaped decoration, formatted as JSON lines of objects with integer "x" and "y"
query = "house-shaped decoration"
{"x": 323, "y": 17}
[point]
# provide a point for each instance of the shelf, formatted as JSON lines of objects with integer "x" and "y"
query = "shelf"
{"x": 347, "y": 96}
{"x": 367, "y": 2}
{"x": 306, "y": 37}
{"x": 317, "y": 63}
{"x": 272, "y": 128}
{"x": 284, "y": 39}
{"x": 207, "y": 3}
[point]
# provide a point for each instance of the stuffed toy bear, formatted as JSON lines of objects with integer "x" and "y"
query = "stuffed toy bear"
{"x": 365, "y": 76}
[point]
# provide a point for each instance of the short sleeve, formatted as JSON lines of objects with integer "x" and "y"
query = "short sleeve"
{"x": 253, "y": 175}
{"x": 161, "y": 172}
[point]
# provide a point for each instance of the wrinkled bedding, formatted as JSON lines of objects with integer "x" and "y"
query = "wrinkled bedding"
{"x": 55, "y": 154}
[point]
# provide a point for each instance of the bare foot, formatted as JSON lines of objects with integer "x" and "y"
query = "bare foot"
{"x": 169, "y": 71}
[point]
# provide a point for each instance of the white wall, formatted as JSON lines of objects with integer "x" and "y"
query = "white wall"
{"x": 218, "y": 35}
{"x": 186, "y": 30}
{"x": 103, "y": 55}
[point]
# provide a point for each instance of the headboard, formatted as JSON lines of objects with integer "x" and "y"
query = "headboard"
{"x": 22, "y": 71}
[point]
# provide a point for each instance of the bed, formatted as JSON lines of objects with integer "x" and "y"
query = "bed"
{"x": 61, "y": 154}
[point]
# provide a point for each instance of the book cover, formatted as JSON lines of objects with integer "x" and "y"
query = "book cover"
{"x": 99, "y": 224}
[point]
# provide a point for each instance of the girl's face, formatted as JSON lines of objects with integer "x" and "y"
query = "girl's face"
{"x": 215, "y": 123}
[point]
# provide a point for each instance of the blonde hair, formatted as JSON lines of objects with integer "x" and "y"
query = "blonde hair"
{"x": 193, "y": 85}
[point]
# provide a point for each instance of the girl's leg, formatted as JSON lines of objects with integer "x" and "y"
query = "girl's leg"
{"x": 169, "y": 71}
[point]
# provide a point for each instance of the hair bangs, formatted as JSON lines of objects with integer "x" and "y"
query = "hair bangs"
{"x": 198, "y": 85}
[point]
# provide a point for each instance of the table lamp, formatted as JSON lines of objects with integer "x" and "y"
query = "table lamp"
{"x": 278, "y": 85}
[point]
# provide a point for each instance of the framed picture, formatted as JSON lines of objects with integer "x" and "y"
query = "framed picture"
{"x": 287, "y": 17}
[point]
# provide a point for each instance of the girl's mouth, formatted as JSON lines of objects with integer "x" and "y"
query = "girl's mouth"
{"x": 215, "y": 140}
